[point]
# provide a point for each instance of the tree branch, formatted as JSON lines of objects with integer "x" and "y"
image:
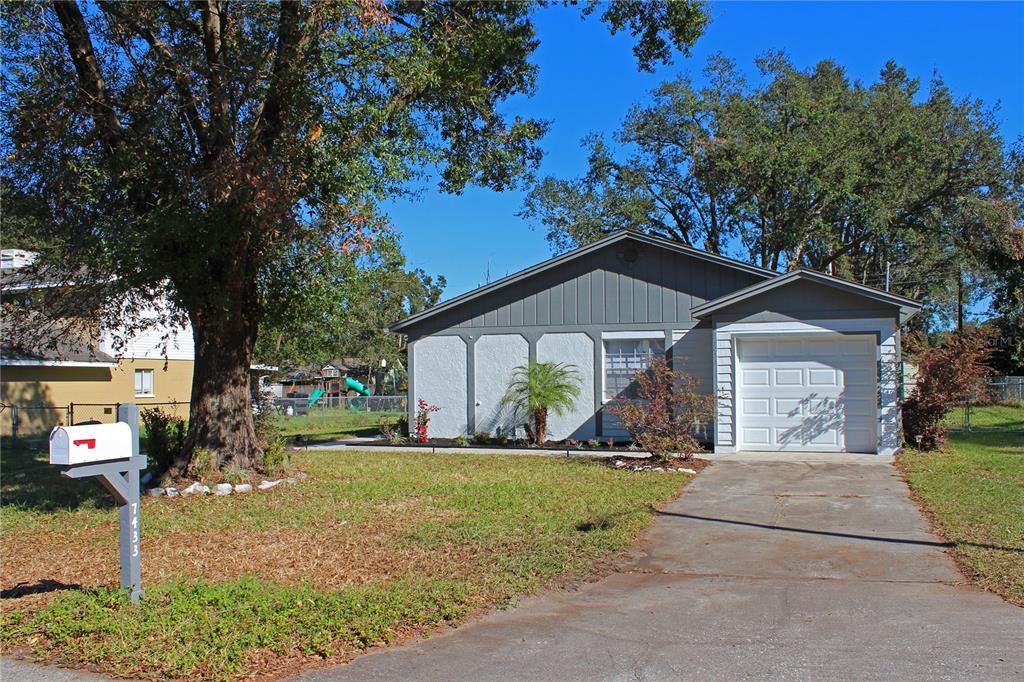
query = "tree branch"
{"x": 90, "y": 79}
{"x": 270, "y": 123}
{"x": 212, "y": 12}
{"x": 183, "y": 88}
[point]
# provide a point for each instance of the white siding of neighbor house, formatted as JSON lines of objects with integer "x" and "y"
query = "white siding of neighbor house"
{"x": 151, "y": 343}
{"x": 496, "y": 357}
{"x": 575, "y": 349}
{"x": 889, "y": 438}
{"x": 441, "y": 368}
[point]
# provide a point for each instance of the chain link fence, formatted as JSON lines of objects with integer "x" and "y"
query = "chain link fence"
{"x": 999, "y": 408}
{"x": 35, "y": 422}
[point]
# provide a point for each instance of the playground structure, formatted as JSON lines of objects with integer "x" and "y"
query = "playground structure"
{"x": 350, "y": 383}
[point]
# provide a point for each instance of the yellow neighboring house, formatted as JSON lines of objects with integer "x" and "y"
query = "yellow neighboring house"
{"x": 83, "y": 380}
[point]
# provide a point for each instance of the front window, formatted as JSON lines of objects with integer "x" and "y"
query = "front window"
{"x": 623, "y": 358}
{"x": 144, "y": 383}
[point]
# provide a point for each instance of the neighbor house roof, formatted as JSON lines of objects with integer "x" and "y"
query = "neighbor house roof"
{"x": 65, "y": 355}
{"x": 908, "y": 307}
{"x": 558, "y": 261}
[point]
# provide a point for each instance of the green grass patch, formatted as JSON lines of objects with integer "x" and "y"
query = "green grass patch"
{"x": 974, "y": 488}
{"x": 330, "y": 424}
{"x": 996, "y": 417}
{"x": 371, "y": 546}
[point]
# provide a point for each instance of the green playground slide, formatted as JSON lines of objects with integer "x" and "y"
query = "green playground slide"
{"x": 356, "y": 386}
{"x": 317, "y": 394}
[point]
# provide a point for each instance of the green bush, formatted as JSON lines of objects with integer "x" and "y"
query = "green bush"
{"x": 165, "y": 436}
{"x": 269, "y": 435}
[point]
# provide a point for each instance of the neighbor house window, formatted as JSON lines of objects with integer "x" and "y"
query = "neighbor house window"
{"x": 144, "y": 382}
{"x": 623, "y": 358}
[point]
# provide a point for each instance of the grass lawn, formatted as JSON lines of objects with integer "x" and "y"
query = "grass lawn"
{"x": 989, "y": 417}
{"x": 371, "y": 548}
{"x": 974, "y": 489}
{"x": 325, "y": 425}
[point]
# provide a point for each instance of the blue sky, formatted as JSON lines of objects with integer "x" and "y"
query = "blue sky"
{"x": 588, "y": 80}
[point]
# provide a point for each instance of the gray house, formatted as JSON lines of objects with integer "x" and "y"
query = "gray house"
{"x": 800, "y": 361}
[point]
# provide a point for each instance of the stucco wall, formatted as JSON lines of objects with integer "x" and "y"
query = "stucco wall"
{"x": 440, "y": 366}
{"x": 496, "y": 356}
{"x": 578, "y": 350}
{"x": 56, "y": 387}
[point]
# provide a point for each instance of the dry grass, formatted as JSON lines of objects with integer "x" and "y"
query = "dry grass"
{"x": 384, "y": 543}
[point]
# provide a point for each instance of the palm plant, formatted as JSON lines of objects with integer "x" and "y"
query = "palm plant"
{"x": 537, "y": 387}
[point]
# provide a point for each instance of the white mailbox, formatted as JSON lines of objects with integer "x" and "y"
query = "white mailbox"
{"x": 90, "y": 443}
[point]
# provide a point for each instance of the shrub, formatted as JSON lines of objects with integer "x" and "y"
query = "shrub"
{"x": 268, "y": 434}
{"x": 482, "y": 438}
{"x": 666, "y": 411}
{"x": 947, "y": 375}
{"x": 461, "y": 441}
{"x": 165, "y": 437}
{"x": 536, "y": 388}
{"x": 202, "y": 465}
{"x": 423, "y": 411}
{"x": 402, "y": 426}
{"x": 389, "y": 431}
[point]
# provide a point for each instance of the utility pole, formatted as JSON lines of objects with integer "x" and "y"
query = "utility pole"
{"x": 960, "y": 300}
{"x": 887, "y": 264}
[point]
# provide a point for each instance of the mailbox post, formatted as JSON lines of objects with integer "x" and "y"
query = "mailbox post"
{"x": 111, "y": 453}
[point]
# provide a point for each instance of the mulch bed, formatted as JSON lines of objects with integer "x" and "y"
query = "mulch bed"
{"x": 574, "y": 447}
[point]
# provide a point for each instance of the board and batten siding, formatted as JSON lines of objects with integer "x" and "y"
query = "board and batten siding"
{"x": 597, "y": 290}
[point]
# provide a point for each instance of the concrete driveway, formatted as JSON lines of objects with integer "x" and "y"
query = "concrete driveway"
{"x": 766, "y": 570}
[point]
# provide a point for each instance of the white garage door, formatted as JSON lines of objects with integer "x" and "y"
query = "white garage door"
{"x": 807, "y": 394}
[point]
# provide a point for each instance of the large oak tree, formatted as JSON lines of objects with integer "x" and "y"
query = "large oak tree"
{"x": 182, "y": 150}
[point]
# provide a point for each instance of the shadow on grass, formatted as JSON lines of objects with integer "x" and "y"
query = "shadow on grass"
{"x": 41, "y": 587}
{"x": 1003, "y": 442}
{"x": 29, "y": 481}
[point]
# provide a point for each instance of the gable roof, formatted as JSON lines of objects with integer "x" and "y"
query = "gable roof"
{"x": 557, "y": 261}
{"x": 908, "y": 307}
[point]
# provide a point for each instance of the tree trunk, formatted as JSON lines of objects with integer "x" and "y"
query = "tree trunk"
{"x": 221, "y": 419}
{"x": 540, "y": 425}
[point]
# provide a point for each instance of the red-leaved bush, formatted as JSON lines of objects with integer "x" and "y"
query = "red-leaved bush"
{"x": 666, "y": 411}
{"x": 947, "y": 375}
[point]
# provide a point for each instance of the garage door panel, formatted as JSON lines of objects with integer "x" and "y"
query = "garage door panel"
{"x": 789, "y": 407}
{"x": 757, "y": 436}
{"x": 789, "y": 377}
{"x": 755, "y": 377}
{"x": 756, "y": 406}
{"x": 807, "y": 394}
{"x": 822, "y": 377}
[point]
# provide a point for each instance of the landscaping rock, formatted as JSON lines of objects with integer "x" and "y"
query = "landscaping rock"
{"x": 243, "y": 488}
{"x": 196, "y": 488}
{"x": 687, "y": 471}
{"x": 171, "y": 492}
{"x": 267, "y": 485}
{"x": 155, "y": 492}
{"x": 222, "y": 489}
{"x": 619, "y": 463}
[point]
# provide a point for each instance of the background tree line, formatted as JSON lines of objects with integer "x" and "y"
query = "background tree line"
{"x": 882, "y": 182}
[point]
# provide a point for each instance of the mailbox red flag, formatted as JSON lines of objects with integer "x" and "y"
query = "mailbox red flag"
{"x": 87, "y": 442}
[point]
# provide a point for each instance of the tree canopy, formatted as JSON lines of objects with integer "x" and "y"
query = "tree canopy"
{"x": 182, "y": 150}
{"x": 805, "y": 168}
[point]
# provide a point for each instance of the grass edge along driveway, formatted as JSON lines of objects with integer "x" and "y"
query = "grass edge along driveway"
{"x": 431, "y": 539}
{"x": 973, "y": 490}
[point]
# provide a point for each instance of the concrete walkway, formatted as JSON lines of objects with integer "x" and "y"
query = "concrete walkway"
{"x": 763, "y": 570}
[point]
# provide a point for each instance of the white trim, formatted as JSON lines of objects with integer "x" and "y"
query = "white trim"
{"x": 886, "y": 353}
{"x": 633, "y": 335}
{"x": 55, "y": 363}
